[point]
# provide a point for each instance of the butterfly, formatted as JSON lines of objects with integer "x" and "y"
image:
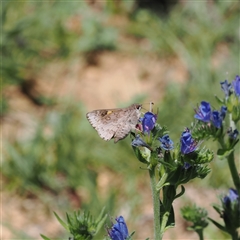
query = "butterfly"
{"x": 115, "y": 123}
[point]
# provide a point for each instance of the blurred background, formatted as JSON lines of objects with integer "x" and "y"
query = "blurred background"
{"x": 63, "y": 59}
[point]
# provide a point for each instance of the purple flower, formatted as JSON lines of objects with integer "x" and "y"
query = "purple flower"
{"x": 236, "y": 85}
{"x": 232, "y": 134}
{"x": 119, "y": 230}
{"x": 231, "y": 197}
{"x": 226, "y": 87}
{"x": 204, "y": 112}
{"x": 148, "y": 122}
{"x": 167, "y": 143}
{"x": 188, "y": 144}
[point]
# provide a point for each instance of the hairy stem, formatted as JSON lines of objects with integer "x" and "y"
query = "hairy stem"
{"x": 233, "y": 170}
{"x": 156, "y": 205}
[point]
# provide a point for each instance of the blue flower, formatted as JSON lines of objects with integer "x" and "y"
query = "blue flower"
{"x": 223, "y": 111}
{"x": 119, "y": 230}
{"x": 236, "y": 85}
{"x": 231, "y": 212}
{"x": 216, "y": 119}
{"x": 204, "y": 112}
{"x": 231, "y": 197}
{"x": 232, "y": 134}
{"x": 188, "y": 144}
{"x": 167, "y": 143}
{"x": 148, "y": 122}
{"x": 226, "y": 87}
{"x": 138, "y": 142}
{"x": 186, "y": 165}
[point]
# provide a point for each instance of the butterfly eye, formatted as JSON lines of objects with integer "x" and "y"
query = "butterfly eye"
{"x": 139, "y": 107}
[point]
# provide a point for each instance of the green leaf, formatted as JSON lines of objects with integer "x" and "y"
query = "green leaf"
{"x": 139, "y": 155}
{"x": 44, "y": 237}
{"x": 159, "y": 131}
{"x": 181, "y": 193}
{"x": 217, "y": 208}
{"x": 130, "y": 236}
{"x": 220, "y": 101}
{"x": 99, "y": 218}
{"x": 61, "y": 221}
{"x": 171, "y": 219}
{"x": 162, "y": 182}
{"x": 233, "y": 144}
{"x": 236, "y": 113}
{"x": 167, "y": 165}
{"x": 101, "y": 223}
{"x": 218, "y": 225}
{"x": 223, "y": 153}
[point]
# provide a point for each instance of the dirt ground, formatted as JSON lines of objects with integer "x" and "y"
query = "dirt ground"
{"x": 117, "y": 78}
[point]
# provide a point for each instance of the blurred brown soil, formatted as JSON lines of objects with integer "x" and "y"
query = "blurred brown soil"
{"x": 116, "y": 79}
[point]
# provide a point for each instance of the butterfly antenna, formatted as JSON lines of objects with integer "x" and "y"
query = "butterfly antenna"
{"x": 150, "y": 106}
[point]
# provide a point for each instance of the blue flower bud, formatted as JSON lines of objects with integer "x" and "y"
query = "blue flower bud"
{"x": 233, "y": 134}
{"x": 236, "y": 85}
{"x": 204, "y": 112}
{"x": 231, "y": 212}
{"x": 188, "y": 144}
{"x": 226, "y": 87}
{"x": 167, "y": 143}
{"x": 138, "y": 142}
{"x": 148, "y": 122}
{"x": 216, "y": 119}
{"x": 223, "y": 112}
{"x": 231, "y": 197}
{"x": 119, "y": 230}
{"x": 186, "y": 165}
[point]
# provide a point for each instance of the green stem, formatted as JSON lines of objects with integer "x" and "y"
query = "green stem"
{"x": 156, "y": 205}
{"x": 233, "y": 170}
{"x": 235, "y": 235}
{"x": 200, "y": 234}
{"x": 231, "y": 162}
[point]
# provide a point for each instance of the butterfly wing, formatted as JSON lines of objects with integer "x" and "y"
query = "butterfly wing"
{"x": 129, "y": 122}
{"x": 114, "y": 123}
{"x": 101, "y": 121}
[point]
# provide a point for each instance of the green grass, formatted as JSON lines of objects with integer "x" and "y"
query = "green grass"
{"x": 35, "y": 34}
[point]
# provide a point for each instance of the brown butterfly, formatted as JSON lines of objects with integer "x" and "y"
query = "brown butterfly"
{"x": 115, "y": 123}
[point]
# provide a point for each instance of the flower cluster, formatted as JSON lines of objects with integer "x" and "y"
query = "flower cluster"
{"x": 229, "y": 88}
{"x": 205, "y": 114}
{"x": 187, "y": 143}
{"x": 232, "y": 97}
{"x": 182, "y": 163}
{"x": 148, "y": 125}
